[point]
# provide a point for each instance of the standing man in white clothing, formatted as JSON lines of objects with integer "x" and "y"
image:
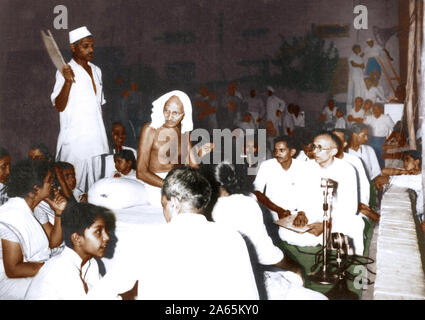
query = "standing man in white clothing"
{"x": 355, "y": 80}
{"x": 78, "y": 97}
{"x": 255, "y": 107}
{"x": 273, "y": 105}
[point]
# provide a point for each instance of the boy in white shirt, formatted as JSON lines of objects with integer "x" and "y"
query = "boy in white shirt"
{"x": 340, "y": 120}
{"x": 125, "y": 165}
{"x": 409, "y": 177}
{"x": 69, "y": 275}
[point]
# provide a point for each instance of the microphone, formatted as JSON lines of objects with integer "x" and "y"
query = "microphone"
{"x": 328, "y": 183}
{"x": 328, "y": 186}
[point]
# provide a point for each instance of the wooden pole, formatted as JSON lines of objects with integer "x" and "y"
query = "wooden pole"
{"x": 410, "y": 76}
{"x": 421, "y": 93}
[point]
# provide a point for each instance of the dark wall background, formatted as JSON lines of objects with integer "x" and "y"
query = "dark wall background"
{"x": 161, "y": 45}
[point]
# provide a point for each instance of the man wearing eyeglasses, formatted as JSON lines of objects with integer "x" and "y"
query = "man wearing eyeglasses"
{"x": 165, "y": 142}
{"x": 343, "y": 207}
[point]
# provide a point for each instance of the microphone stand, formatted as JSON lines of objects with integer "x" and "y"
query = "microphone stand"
{"x": 341, "y": 291}
{"x": 324, "y": 276}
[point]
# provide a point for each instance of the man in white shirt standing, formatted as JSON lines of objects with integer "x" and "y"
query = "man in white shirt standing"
{"x": 78, "y": 97}
{"x": 255, "y": 107}
{"x": 273, "y": 105}
{"x": 355, "y": 80}
{"x": 288, "y": 122}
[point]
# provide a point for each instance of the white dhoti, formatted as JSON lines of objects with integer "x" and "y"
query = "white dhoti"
{"x": 299, "y": 239}
{"x": 286, "y": 285}
{"x": 154, "y": 193}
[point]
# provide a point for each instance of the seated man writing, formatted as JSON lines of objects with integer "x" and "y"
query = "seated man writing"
{"x": 343, "y": 208}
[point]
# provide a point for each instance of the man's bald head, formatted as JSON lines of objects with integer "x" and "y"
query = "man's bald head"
{"x": 173, "y": 112}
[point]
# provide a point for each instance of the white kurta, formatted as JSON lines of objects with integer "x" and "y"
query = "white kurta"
{"x": 355, "y": 114}
{"x": 299, "y": 121}
{"x": 243, "y": 214}
{"x": 330, "y": 114}
{"x": 369, "y": 159}
{"x": 375, "y": 94}
{"x": 256, "y": 107}
{"x": 288, "y": 123}
{"x": 82, "y": 132}
{"x": 363, "y": 181}
{"x": 379, "y": 127}
{"x": 188, "y": 258}
{"x": 340, "y": 123}
{"x": 344, "y": 204}
{"x": 273, "y": 104}
{"x": 283, "y": 187}
{"x": 59, "y": 278}
{"x": 372, "y": 52}
{"x": 356, "y": 85}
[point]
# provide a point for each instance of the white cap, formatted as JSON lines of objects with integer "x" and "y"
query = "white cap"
{"x": 78, "y": 34}
{"x": 270, "y": 88}
{"x": 369, "y": 39}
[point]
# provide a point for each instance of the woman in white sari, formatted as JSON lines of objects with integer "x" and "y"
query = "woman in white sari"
{"x": 25, "y": 244}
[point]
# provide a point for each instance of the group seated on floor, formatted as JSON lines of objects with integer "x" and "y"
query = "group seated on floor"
{"x": 201, "y": 229}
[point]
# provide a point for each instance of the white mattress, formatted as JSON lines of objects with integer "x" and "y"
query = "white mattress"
{"x": 133, "y": 226}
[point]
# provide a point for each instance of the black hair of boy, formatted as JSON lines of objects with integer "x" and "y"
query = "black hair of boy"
{"x": 78, "y": 217}
{"x": 128, "y": 155}
{"x": 64, "y": 165}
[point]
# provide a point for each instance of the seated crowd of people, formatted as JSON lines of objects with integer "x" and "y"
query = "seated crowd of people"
{"x": 218, "y": 240}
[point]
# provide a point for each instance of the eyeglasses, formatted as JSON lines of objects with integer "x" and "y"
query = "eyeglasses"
{"x": 319, "y": 148}
{"x": 173, "y": 114}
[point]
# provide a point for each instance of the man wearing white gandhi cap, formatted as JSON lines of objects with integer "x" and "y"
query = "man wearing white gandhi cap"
{"x": 165, "y": 142}
{"x": 78, "y": 97}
